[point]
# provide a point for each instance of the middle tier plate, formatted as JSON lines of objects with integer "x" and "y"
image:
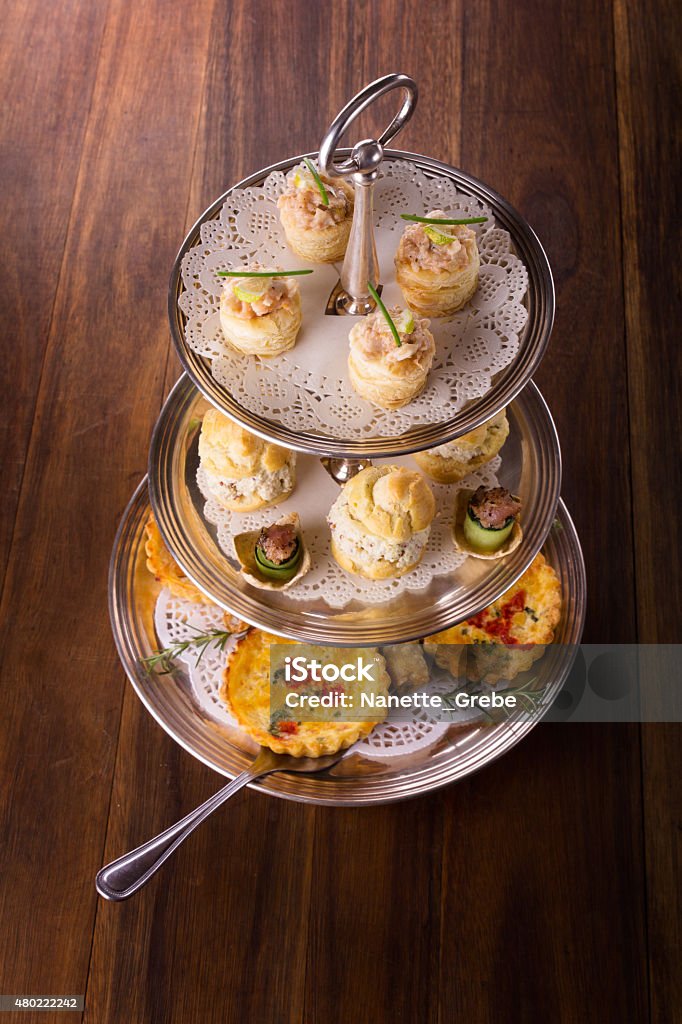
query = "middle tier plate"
{"x": 331, "y": 606}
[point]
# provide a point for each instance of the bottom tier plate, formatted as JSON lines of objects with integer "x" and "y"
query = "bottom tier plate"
{"x": 364, "y": 775}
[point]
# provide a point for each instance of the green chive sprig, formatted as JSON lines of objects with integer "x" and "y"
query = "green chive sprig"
{"x": 442, "y": 220}
{"x": 387, "y": 316}
{"x": 318, "y": 181}
{"x": 262, "y": 273}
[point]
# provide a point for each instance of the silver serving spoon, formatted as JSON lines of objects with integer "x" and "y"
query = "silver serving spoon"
{"x": 124, "y": 876}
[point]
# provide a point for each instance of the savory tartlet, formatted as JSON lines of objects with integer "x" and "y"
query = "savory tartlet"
{"x": 449, "y": 463}
{"x": 260, "y": 316}
{"x": 486, "y": 522}
{"x": 248, "y": 693}
{"x": 437, "y": 266}
{"x": 165, "y": 569}
{"x": 243, "y": 472}
{"x": 316, "y": 213}
{"x": 274, "y": 557}
{"x": 510, "y": 634}
{"x": 380, "y": 522}
{"x": 406, "y": 666}
{"x": 390, "y": 369}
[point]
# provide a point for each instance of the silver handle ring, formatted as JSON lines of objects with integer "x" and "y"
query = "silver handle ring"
{"x": 363, "y": 163}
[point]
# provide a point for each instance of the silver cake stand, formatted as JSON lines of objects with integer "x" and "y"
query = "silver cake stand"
{"x": 530, "y": 463}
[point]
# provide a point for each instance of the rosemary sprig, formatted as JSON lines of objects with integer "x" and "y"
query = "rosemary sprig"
{"x": 161, "y": 662}
{"x": 318, "y": 181}
{"x": 441, "y": 220}
{"x": 387, "y": 316}
{"x": 262, "y": 273}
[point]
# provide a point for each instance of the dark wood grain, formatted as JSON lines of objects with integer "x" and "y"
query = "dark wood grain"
{"x": 649, "y": 76}
{"x": 547, "y": 888}
{"x": 46, "y": 80}
{"x": 99, "y": 393}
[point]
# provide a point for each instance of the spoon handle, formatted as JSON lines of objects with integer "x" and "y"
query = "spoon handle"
{"x": 124, "y": 876}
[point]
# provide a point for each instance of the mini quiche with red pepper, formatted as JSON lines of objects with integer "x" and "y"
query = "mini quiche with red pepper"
{"x": 510, "y": 634}
{"x": 248, "y": 693}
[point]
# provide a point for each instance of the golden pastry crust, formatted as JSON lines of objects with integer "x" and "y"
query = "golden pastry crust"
{"x": 443, "y": 291}
{"x": 228, "y": 452}
{"x": 267, "y": 335}
{"x": 406, "y": 666}
{"x": 246, "y": 691}
{"x": 165, "y": 569}
{"x": 450, "y": 463}
{"x": 510, "y": 634}
{"x": 389, "y": 382}
{"x": 325, "y": 244}
{"x": 391, "y": 502}
{"x": 380, "y": 522}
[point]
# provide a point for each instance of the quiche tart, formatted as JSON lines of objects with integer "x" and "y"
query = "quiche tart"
{"x": 165, "y": 569}
{"x": 249, "y": 696}
{"x": 510, "y": 634}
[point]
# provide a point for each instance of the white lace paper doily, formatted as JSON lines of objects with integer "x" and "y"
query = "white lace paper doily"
{"x": 176, "y": 619}
{"x": 308, "y": 388}
{"x": 313, "y": 496}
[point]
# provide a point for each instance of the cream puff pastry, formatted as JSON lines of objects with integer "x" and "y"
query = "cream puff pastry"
{"x": 451, "y": 462}
{"x": 260, "y": 316}
{"x": 380, "y": 370}
{"x": 437, "y": 266}
{"x": 380, "y": 522}
{"x": 316, "y": 221}
{"x": 243, "y": 472}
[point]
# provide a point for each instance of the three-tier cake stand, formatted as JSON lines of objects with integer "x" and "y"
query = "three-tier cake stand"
{"x": 303, "y": 402}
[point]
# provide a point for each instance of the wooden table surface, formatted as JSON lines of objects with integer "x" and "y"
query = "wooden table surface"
{"x": 544, "y": 888}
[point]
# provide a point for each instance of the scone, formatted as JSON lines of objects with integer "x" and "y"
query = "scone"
{"x": 384, "y": 372}
{"x": 437, "y": 267}
{"x": 510, "y": 634}
{"x": 380, "y": 522}
{"x": 243, "y": 472}
{"x": 165, "y": 569}
{"x": 451, "y": 462}
{"x": 316, "y": 225}
{"x": 254, "y": 702}
{"x": 260, "y": 316}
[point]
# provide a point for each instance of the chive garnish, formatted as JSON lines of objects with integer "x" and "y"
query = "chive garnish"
{"x": 441, "y": 220}
{"x": 318, "y": 181}
{"x": 387, "y": 316}
{"x": 262, "y": 273}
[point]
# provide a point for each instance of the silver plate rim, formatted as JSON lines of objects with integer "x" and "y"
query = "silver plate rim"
{"x": 505, "y": 388}
{"x": 166, "y": 489}
{"x": 302, "y": 789}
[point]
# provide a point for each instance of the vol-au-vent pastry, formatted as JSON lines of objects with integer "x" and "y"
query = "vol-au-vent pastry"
{"x": 243, "y": 472}
{"x": 385, "y": 372}
{"x": 260, "y": 316}
{"x": 437, "y": 266}
{"x": 451, "y": 462}
{"x": 316, "y": 214}
{"x": 508, "y": 635}
{"x": 248, "y": 693}
{"x": 380, "y": 522}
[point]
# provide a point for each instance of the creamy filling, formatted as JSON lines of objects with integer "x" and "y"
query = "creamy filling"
{"x": 423, "y": 253}
{"x": 354, "y": 540}
{"x": 263, "y": 485}
{"x": 304, "y": 203}
{"x": 372, "y": 338}
{"x": 277, "y": 296}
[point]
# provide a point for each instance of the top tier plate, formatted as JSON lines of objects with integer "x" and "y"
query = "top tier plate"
{"x": 486, "y": 353}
